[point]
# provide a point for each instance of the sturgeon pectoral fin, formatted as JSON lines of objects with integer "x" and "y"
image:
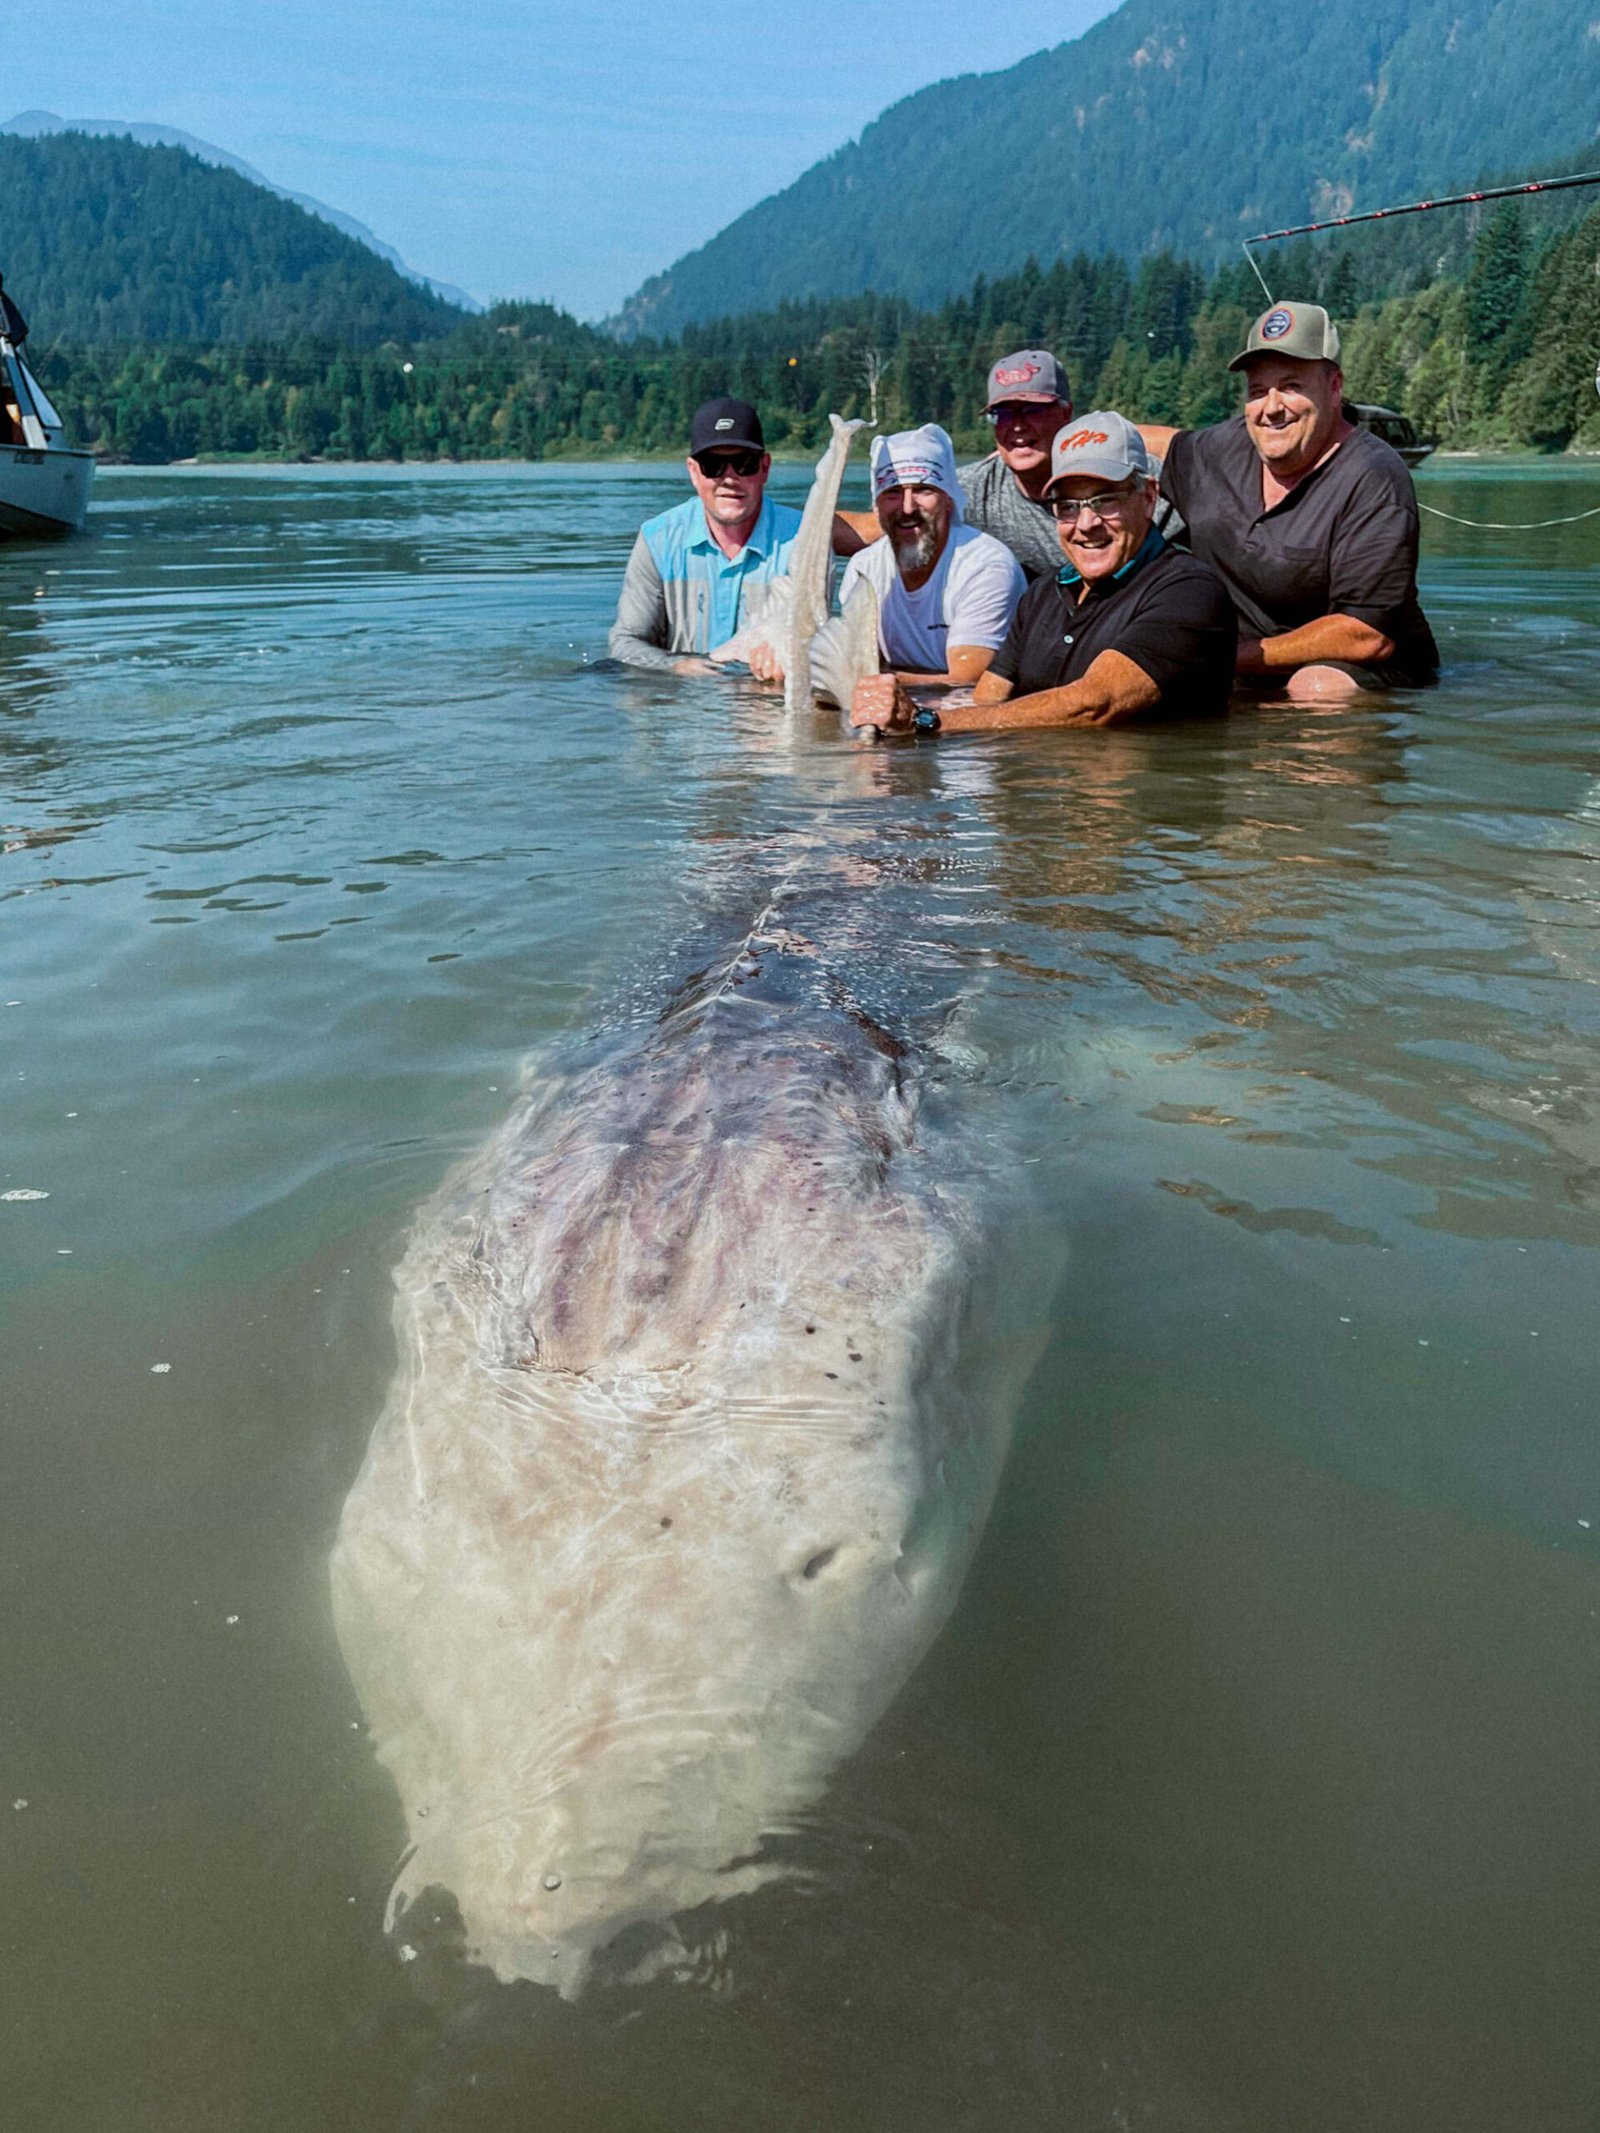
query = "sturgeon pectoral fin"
{"x": 845, "y": 650}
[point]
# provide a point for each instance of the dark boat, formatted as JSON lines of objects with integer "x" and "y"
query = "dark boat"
{"x": 1397, "y": 430}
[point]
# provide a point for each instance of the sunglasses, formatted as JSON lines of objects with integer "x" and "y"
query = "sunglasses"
{"x": 1110, "y": 503}
{"x": 1018, "y": 411}
{"x": 711, "y": 464}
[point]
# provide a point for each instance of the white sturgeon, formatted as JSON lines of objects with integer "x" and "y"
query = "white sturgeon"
{"x": 823, "y": 655}
{"x": 680, "y": 1470}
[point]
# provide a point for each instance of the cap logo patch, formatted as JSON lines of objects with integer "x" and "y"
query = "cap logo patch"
{"x": 1276, "y": 324}
{"x": 723, "y": 422}
{"x": 1079, "y": 438}
{"x": 1018, "y": 375}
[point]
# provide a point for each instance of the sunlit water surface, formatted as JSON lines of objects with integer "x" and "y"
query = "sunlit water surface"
{"x": 1254, "y": 1784}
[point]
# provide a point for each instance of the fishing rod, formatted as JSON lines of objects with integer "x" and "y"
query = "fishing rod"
{"x": 1413, "y": 207}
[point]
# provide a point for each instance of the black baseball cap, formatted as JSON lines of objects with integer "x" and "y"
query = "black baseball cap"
{"x": 725, "y": 422}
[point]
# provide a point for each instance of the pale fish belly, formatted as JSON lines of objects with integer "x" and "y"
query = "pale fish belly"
{"x": 677, "y": 1478}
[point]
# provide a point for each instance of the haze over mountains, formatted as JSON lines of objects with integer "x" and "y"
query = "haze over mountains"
{"x": 108, "y": 241}
{"x": 1181, "y": 124}
{"x": 32, "y": 125}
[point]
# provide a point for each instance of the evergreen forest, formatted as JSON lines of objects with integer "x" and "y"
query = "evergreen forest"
{"x": 1492, "y": 341}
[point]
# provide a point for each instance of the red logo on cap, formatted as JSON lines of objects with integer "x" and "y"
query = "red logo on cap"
{"x": 1019, "y": 376}
{"x": 1080, "y": 438}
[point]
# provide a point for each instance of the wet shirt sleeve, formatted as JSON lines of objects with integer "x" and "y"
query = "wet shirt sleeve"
{"x": 1373, "y": 566}
{"x": 639, "y": 636}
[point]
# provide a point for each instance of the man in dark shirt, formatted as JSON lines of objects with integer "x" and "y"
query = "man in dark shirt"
{"x": 1310, "y": 520}
{"x": 1127, "y": 628}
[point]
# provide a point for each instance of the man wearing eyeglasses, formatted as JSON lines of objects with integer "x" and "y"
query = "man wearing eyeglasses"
{"x": 1125, "y": 628}
{"x": 690, "y": 567}
{"x": 1310, "y": 519}
{"x": 1029, "y": 403}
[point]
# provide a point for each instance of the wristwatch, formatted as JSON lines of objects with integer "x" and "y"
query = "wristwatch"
{"x": 925, "y": 719}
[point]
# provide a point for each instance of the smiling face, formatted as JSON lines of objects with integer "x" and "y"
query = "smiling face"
{"x": 1292, "y": 411}
{"x": 731, "y": 497}
{"x": 1024, "y": 431}
{"x": 917, "y": 522}
{"x": 1101, "y": 524}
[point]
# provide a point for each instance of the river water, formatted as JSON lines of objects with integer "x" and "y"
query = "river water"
{"x": 1253, "y": 1785}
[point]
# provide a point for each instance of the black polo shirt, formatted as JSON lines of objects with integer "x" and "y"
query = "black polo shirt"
{"x": 1342, "y": 542}
{"x": 1166, "y": 611}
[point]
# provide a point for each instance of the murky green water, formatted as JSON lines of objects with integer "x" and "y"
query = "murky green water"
{"x": 1254, "y": 1784}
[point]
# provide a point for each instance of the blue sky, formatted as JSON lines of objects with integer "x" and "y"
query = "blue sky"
{"x": 512, "y": 146}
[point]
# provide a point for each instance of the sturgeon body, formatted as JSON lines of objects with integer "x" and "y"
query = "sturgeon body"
{"x": 678, "y": 1475}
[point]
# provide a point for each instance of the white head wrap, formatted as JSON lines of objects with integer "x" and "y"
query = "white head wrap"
{"x": 917, "y": 459}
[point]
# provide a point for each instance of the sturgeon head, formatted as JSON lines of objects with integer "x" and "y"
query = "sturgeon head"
{"x": 676, "y": 1481}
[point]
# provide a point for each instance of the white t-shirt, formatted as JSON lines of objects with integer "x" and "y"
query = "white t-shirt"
{"x": 969, "y": 599}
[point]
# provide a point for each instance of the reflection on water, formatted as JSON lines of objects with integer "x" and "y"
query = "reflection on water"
{"x": 1249, "y": 1785}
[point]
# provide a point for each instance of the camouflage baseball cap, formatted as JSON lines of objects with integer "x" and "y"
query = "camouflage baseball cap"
{"x": 1030, "y": 374}
{"x": 1302, "y": 330}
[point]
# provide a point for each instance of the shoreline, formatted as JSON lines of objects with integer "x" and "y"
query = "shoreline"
{"x": 245, "y": 462}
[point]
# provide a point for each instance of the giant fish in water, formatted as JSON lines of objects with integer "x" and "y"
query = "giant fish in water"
{"x": 682, "y": 1464}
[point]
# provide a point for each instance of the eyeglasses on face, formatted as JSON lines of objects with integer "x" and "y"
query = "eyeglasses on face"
{"x": 1110, "y": 503}
{"x": 711, "y": 464}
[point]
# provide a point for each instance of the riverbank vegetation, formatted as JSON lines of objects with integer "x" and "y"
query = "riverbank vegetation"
{"x": 1491, "y": 342}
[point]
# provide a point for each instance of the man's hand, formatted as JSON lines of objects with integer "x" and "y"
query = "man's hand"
{"x": 693, "y": 665}
{"x": 882, "y": 701}
{"x": 765, "y": 664}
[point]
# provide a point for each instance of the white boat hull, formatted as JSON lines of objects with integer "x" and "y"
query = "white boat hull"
{"x": 43, "y": 494}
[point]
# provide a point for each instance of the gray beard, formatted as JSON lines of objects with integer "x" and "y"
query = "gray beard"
{"x": 916, "y": 550}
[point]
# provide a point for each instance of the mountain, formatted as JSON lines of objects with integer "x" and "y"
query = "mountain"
{"x": 106, "y": 240}
{"x": 1171, "y": 124}
{"x": 30, "y": 125}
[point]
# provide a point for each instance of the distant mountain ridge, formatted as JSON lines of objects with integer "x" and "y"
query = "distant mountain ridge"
{"x": 108, "y": 241}
{"x": 32, "y": 125}
{"x": 1181, "y": 124}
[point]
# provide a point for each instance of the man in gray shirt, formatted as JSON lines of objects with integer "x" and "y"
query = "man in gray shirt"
{"x": 1029, "y": 401}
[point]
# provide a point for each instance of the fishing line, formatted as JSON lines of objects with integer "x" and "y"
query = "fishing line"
{"x": 1509, "y": 525}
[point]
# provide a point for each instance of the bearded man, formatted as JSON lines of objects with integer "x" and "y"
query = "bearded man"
{"x": 946, "y": 592}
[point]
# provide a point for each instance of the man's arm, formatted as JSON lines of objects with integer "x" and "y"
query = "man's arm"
{"x": 859, "y": 528}
{"x": 640, "y": 633}
{"x": 966, "y": 663}
{"x": 1329, "y": 637}
{"x": 1157, "y": 437}
{"x": 1113, "y": 690}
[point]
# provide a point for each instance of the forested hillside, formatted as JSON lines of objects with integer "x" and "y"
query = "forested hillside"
{"x": 1172, "y": 124}
{"x": 1503, "y": 352}
{"x": 109, "y": 241}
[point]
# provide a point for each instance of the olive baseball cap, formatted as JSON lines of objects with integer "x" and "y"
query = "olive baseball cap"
{"x": 1302, "y": 330}
{"x": 1030, "y": 374}
{"x": 1104, "y": 445}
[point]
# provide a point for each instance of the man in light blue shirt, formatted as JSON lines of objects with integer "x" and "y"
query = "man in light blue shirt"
{"x": 683, "y": 592}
